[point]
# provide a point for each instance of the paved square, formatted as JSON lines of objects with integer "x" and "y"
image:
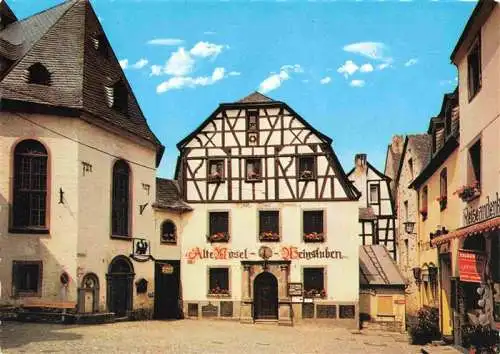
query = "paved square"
{"x": 191, "y": 336}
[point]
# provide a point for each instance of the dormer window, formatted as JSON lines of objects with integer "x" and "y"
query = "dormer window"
{"x": 38, "y": 74}
{"x": 306, "y": 168}
{"x": 117, "y": 97}
{"x": 100, "y": 44}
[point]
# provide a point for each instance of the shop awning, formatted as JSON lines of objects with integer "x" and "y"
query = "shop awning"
{"x": 485, "y": 226}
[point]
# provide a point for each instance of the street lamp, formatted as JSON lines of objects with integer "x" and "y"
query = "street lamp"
{"x": 409, "y": 226}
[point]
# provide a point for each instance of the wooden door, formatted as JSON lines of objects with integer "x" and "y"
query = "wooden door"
{"x": 167, "y": 289}
{"x": 265, "y": 296}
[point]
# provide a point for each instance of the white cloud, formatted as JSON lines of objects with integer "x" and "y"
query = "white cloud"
{"x": 448, "y": 82}
{"x": 180, "y": 82}
{"x": 156, "y": 70}
{"x": 166, "y": 41}
{"x": 383, "y": 66}
{"x": 357, "y": 83}
{"x": 372, "y": 50}
{"x": 140, "y": 63}
{"x": 274, "y": 81}
{"x": 348, "y": 68}
{"x": 206, "y": 49}
{"x": 234, "y": 73}
{"x": 294, "y": 68}
{"x": 411, "y": 62}
{"x": 325, "y": 80}
{"x": 366, "y": 68}
{"x": 208, "y": 33}
{"x": 180, "y": 63}
{"x": 123, "y": 63}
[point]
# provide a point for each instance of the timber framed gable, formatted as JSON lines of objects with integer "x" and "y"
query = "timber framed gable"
{"x": 296, "y": 162}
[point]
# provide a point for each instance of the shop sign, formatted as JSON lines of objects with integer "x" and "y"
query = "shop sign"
{"x": 471, "y": 265}
{"x": 167, "y": 269}
{"x": 294, "y": 289}
{"x": 285, "y": 253}
{"x": 483, "y": 212}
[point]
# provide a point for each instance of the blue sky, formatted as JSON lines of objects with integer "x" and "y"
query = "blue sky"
{"x": 359, "y": 71}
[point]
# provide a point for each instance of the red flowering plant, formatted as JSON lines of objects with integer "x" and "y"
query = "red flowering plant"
{"x": 468, "y": 192}
{"x": 218, "y": 291}
{"x": 269, "y": 236}
{"x": 443, "y": 200}
{"x": 218, "y": 237}
{"x": 314, "y": 237}
{"x": 315, "y": 293}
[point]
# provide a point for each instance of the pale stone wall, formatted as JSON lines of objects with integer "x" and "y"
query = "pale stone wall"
{"x": 368, "y": 300}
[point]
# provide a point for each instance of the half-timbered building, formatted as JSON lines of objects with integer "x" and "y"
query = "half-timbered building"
{"x": 377, "y": 217}
{"x": 273, "y": 232}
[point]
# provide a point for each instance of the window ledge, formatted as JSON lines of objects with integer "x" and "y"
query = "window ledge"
{"x": 22, "y": 230}
{"x": 169, "y": 243}
{"x": 218, "y": 295}
{"x": 119, "y": 237}
{"x": 254, "y": 180}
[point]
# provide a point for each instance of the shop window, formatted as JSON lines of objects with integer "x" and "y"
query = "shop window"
{"x": 314, "y": 282}
{"x": 215, "y": 171}
{"x": 30, "y": 186}
{"x": 474, "y": 69}
{"x": 27, "y": 278}
{"x": 313, "y": 230}
{"x": 443, "y": 189}
{"x": 423, "y": 208}
{"x": 38, "y": 74}
{"x": 219, "y": 226}
{"x": 385, "y": 306}
{"x": 374, "y": 194}
{"x": 269, "y": 225}
{"x": 168, "y": 232}
{"x": 218, "y": 281}
{"x": 120, "y": 206}
{"x": 306, "y": 168}
{"x": 253, "y": 170}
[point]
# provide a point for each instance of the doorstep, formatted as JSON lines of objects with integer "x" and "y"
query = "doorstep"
{"x": 441, "y": 349}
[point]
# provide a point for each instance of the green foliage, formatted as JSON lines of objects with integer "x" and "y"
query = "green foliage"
{"x": 484, "y": 338}
{"x": 427, "y": 327}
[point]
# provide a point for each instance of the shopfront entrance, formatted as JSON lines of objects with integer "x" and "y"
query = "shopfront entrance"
{"x": 265, "y": 297}
{"x": 167, "y": 290}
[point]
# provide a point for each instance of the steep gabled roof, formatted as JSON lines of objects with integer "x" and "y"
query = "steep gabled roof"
{"x": 168, "y": 196}
{"x": 376, "y": 267}
{"x": 256, "y": 97}
{"x": 63, "y": 40}
{"x": 421, "y": 144}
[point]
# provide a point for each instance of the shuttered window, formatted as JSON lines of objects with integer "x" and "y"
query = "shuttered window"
{"x": 384, "y": 306}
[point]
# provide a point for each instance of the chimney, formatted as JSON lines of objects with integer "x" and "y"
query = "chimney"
{"x": 397, "y": 144}
{"x": 360, "y": 162}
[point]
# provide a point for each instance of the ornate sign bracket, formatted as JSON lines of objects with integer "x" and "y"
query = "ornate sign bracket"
{"x": 141, "y": 250}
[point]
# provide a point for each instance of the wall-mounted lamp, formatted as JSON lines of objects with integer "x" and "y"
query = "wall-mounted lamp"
{"x": 409, "y": 226}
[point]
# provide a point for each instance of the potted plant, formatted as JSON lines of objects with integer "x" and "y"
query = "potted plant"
{"x": 306, "y": 174}
{"x": 443, "y": 201}
{"x": 253, "y": 175}
{"x": 218, "y": 237}
{"x": 269, "y": 236}
{"x": 468, "y": 192}
{"x": 314, "y": 237}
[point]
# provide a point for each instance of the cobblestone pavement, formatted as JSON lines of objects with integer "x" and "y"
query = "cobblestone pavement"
{"x": 191, "y": 336}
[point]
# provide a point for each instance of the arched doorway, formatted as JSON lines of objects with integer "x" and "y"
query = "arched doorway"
{"x": 119, "y": 292}
{"x": 265, "y": 297}
{"x": 89, "y": 293}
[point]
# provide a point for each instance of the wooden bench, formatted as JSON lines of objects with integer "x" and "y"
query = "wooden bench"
{"x": 57, "y": 309}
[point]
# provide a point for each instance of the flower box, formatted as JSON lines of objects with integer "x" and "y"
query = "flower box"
{"x": 315, "y": 293}
{"x": 469, "y": 192}
{"x": 269, "y": 236}
{"x": 314, "y": 237}
{"x": 215, "y": 177}
{"x": 218, "y": 292}
{"x": 443, "y": 201}
{"x": 306, "y": 174}
{"x": 218, "y": 237}
{"x": 253, "y": 176}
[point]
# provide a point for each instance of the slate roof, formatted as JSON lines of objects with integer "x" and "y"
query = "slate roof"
{"x": 168, "y": 196}
{"x": 422, "y": 147}
{"x": 62, "y": 39}
{"x": 255, "y": 97}
{"x": 376, "y": 267}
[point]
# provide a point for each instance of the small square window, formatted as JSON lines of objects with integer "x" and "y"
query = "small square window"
{"x": 219, "y": 226}
{"x": 252, "y": 120}
{"x": 313, "y": 226}
{"x": 374, "y": 194}
{"x": 215, "y": 171}
{"x": 314, "y": 282}
{"x": 269, "y": 225}
{"x": 253, "y": 170}
{"x": 474, "y": 69}
{"x": 27, "y": 278}
{"x": 218, "y": 281}
{"x": 306, "y": 168}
